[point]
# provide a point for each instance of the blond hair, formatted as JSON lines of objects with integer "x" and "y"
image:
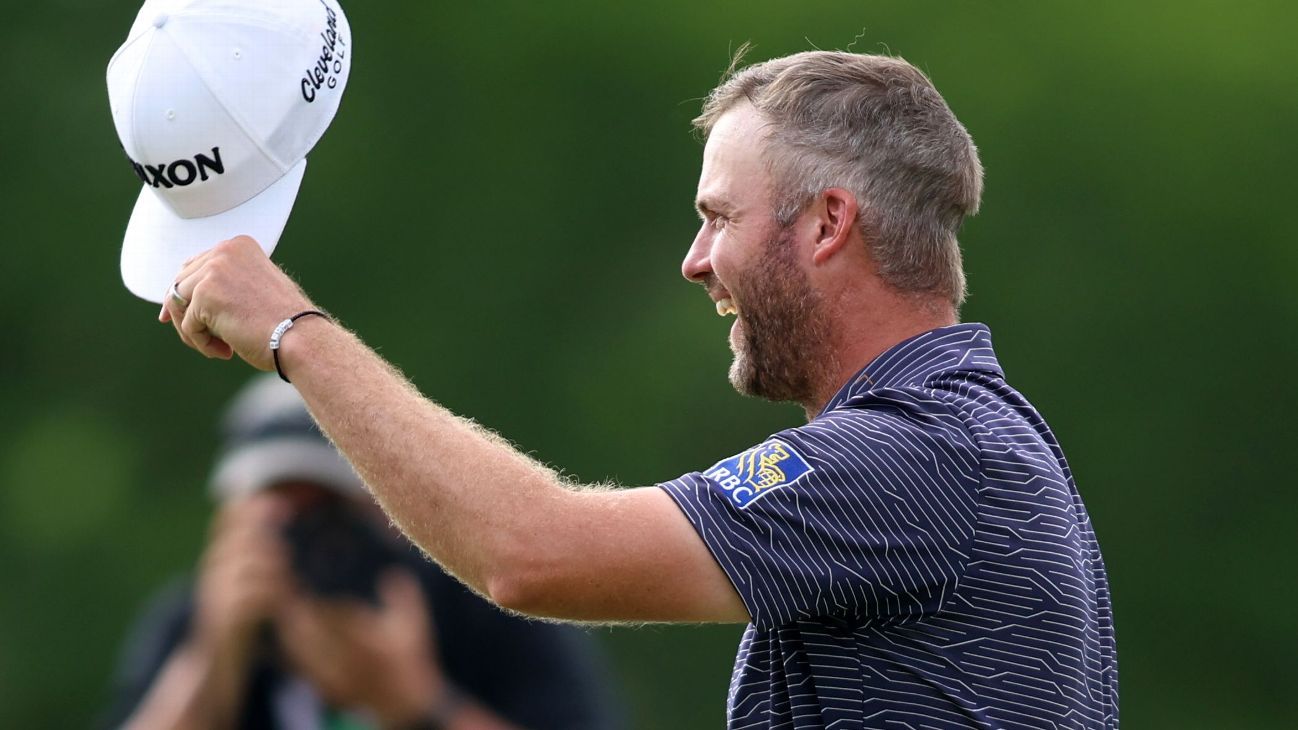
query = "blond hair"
{"x": 876, "y": 126}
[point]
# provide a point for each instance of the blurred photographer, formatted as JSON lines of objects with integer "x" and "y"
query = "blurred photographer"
{"x": 309, "y": 611}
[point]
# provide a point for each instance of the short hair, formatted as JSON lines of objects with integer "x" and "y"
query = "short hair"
{"x": 876, "y": 126}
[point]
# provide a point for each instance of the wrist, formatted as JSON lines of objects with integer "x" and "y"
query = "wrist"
{"x": 293, "y": 344}
{"x": 222, "y": 643}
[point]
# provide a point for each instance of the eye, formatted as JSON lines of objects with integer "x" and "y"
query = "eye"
{"x": 717, "y": 222}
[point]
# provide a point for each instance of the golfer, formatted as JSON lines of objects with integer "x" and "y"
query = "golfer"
{"x": 915, "y": 555}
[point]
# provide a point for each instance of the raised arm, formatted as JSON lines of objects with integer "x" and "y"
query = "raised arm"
{"x": 499, "y": 521}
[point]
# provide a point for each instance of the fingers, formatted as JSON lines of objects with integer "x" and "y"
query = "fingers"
{"x": 244, "y": 575}
{"x": 185, "y": 280}
{"x": 318, "y": 643}
{"x": 310, "y": 646}
{"x": 401, "y": 596}
{"x": 179, "y": 309}
{"x": 250, "y": 544}
{"x": 172, "y": 310}
{"x": 228, "y": 299}
{"x": 244, "y": 588}
{"x": 177, "y": 306}
{"x": 263, "y": 507}
{"x": 355, "y": 652}
{"x": 183, "y": 287}
{"x": 170, "y": 296}
{"x": 252, "y": 526}
{"x": 196, "y": 334}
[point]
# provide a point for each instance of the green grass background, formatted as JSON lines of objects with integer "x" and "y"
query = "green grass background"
{"x": 501, "y": 207}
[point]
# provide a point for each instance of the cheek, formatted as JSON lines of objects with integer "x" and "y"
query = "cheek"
{"x": 727, "y": 260}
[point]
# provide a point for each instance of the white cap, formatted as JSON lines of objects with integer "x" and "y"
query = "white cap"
{"x": 217, "y": 103}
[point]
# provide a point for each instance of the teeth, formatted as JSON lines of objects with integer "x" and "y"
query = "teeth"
{"x": 726, "y": 306}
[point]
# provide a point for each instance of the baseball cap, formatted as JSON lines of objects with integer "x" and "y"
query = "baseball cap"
{"x": 216, "y": 104}
{"x": 269, "y": 437}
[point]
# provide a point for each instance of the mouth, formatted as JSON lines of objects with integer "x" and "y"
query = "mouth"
{"x": 721, "y": 297}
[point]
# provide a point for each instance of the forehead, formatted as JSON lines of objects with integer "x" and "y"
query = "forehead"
{"x": 733, "y": 168}
{"x": 304, "y": 494}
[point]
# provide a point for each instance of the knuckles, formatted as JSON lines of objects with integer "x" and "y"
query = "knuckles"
{"x": 238, "y": 244}
{"x": 225, "y": 284}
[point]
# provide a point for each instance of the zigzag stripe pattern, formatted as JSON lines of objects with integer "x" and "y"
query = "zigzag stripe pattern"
{"x": 935, "y": 566}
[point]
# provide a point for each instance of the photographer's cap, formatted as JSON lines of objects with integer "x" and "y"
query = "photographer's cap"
{"x": 217, "y": 103}
{"x": 270, "y": 438}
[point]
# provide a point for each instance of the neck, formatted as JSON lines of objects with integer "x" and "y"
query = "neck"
{"x": 863, "y": 330}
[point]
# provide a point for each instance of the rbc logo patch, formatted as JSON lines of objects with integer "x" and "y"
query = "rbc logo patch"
{"x": 758, "y": 471}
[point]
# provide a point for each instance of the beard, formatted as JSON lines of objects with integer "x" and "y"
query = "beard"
{"x": 782, "y": 348}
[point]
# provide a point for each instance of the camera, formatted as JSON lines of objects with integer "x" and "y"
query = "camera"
{"x": 337, "y": 553}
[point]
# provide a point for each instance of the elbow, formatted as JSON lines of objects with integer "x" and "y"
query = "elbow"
{"x": 511, "y": 592}
{"x": 521, "y": 590}
{"x": 532, "y": 572}
{"x": 521, "y": 577}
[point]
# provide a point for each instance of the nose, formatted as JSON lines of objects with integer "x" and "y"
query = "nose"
{"x": 698, "y": 260}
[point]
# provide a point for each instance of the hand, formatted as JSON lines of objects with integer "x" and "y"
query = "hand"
{"x": 244, "y": 575}
{"x": 236, "y": 297}
{"x": 360, "y": 656}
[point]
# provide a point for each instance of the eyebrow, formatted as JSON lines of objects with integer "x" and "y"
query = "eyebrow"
{"x": 706, "y": 206}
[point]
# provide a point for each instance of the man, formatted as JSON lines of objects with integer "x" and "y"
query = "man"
{"x": 308, "y": 611}
{"x": 916, "y": 555}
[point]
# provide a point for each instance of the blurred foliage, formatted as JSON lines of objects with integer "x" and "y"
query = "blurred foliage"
{"x": 501, "y": 206}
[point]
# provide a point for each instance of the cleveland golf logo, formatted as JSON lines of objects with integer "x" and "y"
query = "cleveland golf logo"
{"x": 329, "y": 65}
{"x": 181, "y": 172}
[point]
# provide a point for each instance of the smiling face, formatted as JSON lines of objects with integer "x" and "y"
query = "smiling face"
{"x": 753, "y": 268}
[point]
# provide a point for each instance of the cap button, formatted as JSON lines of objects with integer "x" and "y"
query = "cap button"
{"x": 161, "y": 20}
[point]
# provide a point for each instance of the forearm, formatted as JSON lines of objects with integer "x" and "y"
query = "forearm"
{"x": 198, "y": 687}
{"x": 496, "y": 519}
{"x": 461, "y": 493}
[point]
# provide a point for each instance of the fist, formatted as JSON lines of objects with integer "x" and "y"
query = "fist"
{"x": 227, "y": 301}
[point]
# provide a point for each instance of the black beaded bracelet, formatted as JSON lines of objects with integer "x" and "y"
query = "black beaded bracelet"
{"x": 278, "y": 335}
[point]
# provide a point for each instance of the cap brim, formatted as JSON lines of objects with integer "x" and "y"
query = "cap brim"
{"x": 253, "y": 468}
{"x": 158, "y": 242}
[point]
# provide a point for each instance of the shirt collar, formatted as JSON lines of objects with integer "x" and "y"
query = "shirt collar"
{"x": 958, "y": 348}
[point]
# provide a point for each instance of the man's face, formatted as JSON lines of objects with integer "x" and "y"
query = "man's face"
{"x": 751, "y": 266}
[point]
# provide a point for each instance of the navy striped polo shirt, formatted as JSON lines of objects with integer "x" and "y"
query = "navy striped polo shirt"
{"x": 917, "y": 556}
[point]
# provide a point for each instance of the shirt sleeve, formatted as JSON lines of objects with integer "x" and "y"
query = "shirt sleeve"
{"x": 859, "y": 514}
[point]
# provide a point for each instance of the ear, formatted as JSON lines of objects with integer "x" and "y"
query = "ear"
{"x": 836, "y": 214}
